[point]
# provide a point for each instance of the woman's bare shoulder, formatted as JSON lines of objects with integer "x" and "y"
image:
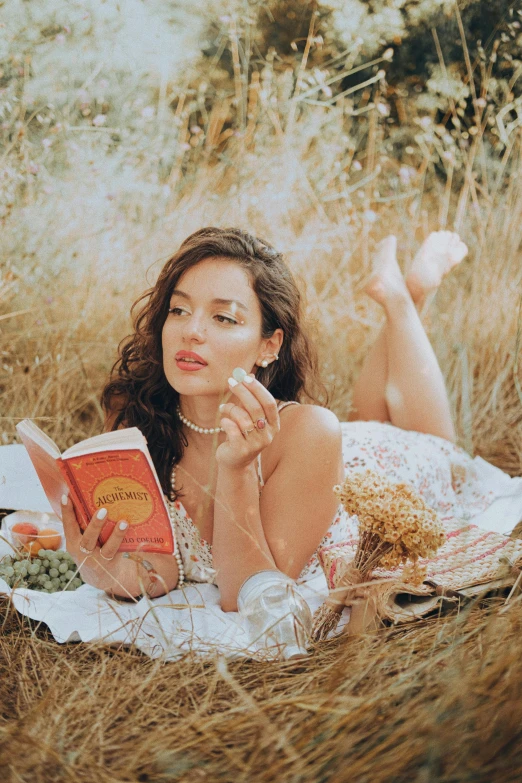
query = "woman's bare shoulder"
{"x": 309, "y": 442}
{"x": 308, "y": 427}
{"x": 314, "y": 418}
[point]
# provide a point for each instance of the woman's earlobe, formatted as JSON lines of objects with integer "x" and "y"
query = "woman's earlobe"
{"x": 264, "y": 362}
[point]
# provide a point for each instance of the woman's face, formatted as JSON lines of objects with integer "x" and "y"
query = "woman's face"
{"x": 213, "y": 326}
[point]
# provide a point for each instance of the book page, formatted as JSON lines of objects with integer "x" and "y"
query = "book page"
{"x": 45, "y": 465}
{"x": 127, "y": 438}
{"x": 28, "y": 430}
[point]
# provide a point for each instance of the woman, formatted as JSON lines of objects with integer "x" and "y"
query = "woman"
{"x": 225, "y": 302}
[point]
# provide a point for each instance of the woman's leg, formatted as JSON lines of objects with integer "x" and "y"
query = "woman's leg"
{"x": 369, "y": 391}
{"x": 401, "y": 379}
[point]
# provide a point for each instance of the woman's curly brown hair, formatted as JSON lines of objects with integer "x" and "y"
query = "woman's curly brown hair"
{"x": 138, "y": 393}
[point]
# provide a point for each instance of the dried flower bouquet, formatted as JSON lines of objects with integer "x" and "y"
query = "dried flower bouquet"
{"x": 396, "y": 527}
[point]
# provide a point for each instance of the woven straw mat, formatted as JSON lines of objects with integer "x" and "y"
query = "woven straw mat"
{"x": 470, "y": 556}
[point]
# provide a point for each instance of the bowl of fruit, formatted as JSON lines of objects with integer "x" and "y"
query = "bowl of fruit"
{"x": 31, "y": 531}
{"x": 36, "y": 557}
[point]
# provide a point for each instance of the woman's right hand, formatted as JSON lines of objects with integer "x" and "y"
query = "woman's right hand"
{"x": 103, "y": 566}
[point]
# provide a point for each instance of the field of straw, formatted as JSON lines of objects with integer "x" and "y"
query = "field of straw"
{"x": 90, "y": 209}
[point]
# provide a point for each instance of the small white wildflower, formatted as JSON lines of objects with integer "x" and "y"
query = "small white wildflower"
{"x": 448, "y": 83}
{"x": 406, "y": 174}
{"x": 99, "y": 120}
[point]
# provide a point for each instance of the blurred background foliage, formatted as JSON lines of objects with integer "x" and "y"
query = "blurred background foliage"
{"x": 436, "y": 71}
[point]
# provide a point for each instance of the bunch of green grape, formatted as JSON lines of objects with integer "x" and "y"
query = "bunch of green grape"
{"x": 49, "y": 572}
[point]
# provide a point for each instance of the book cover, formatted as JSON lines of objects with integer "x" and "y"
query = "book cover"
{"x": 122, "y": 482}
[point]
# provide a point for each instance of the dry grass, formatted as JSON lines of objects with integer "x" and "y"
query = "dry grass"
{"x": 436, "y": 701}
{"x": 441, "y": 700}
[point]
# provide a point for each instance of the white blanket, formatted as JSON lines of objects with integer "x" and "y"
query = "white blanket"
{"x": 184, "y": 620}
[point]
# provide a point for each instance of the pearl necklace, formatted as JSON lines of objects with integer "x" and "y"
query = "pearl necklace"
{"x": 192, "y": 426}
{"x": 172, "y": 514}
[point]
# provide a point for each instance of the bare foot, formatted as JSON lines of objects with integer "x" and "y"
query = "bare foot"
{"x": 439, "y": 253}
{"x": 386, "y": 282}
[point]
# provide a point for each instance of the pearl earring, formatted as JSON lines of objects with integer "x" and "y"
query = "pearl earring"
{"x": 264, "y": 363}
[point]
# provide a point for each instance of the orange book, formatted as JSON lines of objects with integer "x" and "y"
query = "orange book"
{"x": 113, "y": 470}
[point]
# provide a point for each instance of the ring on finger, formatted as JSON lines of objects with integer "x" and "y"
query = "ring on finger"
{"x": 106, "y": 558}
{"x": 86, "y": 551}
{"x": 245, "y": 432}
{"x": 261, "y": 424}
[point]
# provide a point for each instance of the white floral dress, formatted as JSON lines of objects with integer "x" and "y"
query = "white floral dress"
{"x": 450, "y": 481}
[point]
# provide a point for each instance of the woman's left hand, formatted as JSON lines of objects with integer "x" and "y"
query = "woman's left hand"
{"x": 250, "y": 423}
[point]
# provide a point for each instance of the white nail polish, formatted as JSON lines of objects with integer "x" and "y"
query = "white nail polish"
{"x": 102, "y": 513}
{"x": 221, "y": 406}
{"x": 248, "y": 379}
{"x": 123, "y": 525}
{"x": 64, "y": 500}
{"x": 232, "y": 382}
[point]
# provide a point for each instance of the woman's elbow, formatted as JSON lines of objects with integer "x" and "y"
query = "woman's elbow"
{"x": 229, "y": 604}
{"x": 227, "y": 596}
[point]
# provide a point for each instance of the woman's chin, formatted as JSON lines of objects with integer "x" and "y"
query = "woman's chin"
{"x": 188, "y": 384}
